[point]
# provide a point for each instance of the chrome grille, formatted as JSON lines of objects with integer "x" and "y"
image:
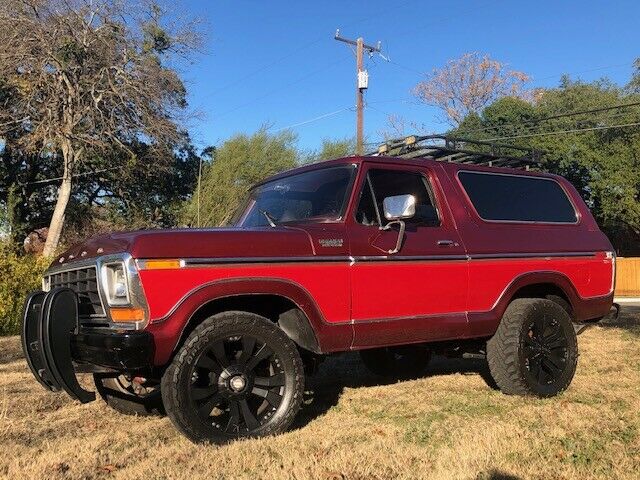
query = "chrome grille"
{"x": 84, "y": 282}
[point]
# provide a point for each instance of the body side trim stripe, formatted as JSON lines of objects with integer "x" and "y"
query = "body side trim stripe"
{"x": 202, "y": 262}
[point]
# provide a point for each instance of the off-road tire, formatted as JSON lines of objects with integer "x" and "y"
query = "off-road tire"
{"x": 121, "y": 397}
{"x": 178, "y": 379}
{"x": 514, "y": 353}
{"x": 408, "y": 361}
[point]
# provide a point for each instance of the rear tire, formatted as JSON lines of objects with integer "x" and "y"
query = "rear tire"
{"x": 535, "y": 349}
{"x": 127, "y": 397}
{"x": 238, "y": 375}
{"x": 406, "y": 361}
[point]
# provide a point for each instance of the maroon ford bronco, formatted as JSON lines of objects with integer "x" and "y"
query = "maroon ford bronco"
{"x": 392, "y": 257}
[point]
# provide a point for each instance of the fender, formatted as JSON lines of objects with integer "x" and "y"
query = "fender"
{"x": 328, "y": 337}
{"x": 484, "y": 324}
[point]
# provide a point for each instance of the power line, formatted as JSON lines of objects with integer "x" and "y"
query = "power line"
{"x": 605, "y": 67}
{"x": 314, "y": 119}
{"x": 552, "y": 117}
{"x": 281, "y": 87}
{"x": 577, "y": 130}
{"x": 541, "y": 134}
{"x": 83, "y": 174}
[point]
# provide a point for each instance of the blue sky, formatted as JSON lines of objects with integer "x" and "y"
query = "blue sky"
{"x": 275, "y": 62}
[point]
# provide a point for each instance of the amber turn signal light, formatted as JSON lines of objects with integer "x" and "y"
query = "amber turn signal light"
{"x": 160, "y": 264}
{"x": 127, "y": 314}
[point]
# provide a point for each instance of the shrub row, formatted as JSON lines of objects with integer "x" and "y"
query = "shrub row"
{"x": 19, "y": 275}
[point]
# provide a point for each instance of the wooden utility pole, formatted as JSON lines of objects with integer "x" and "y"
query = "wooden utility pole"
{"x": 362, "y": 81}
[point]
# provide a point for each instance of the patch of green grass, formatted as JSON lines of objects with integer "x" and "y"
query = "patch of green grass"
{"x": 619, "y": 405}
{"x": 592, "y": 399}
{"x": 421, "y": 431}
{"x": 582, "y": 451}
{"x": 473, "y": 406}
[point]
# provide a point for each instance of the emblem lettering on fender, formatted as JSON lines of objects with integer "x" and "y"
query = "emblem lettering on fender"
{"x": 331, "y": 242}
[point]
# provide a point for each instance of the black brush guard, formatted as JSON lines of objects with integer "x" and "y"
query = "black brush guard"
{"x": 52, "y": 341}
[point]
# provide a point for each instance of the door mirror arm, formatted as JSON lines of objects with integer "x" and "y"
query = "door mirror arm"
{"x": 400, "y": 234}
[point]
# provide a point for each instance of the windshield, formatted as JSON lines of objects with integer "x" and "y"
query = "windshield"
{"x": 318, "y": 194}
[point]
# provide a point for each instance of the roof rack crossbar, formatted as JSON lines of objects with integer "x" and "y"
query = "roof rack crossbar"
{"x": 460, "y": 150}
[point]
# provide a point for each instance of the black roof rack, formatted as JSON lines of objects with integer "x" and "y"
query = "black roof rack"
{"x": 460, "y": 150}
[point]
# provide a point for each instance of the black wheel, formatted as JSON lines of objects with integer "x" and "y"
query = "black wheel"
{"x": 128, "y": 395}
{"x": 535, "y": 349}
{"x": 237, "y": 375}
{"x": 407, "y": 361}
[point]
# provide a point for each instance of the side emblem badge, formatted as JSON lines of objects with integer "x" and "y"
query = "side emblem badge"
{"x": 331, "y": 242}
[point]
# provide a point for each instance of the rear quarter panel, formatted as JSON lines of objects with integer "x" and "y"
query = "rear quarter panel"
{"x": 502, "y": 254}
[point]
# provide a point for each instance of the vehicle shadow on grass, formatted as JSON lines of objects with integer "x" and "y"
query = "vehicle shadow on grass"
{"x": 628, "y": 319}
{"x": 346, "y": 370}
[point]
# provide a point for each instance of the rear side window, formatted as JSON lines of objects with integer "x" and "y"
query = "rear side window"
{"x": 517, "y": 198}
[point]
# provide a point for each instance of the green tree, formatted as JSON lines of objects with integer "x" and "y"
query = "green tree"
{"x": 634, "y": 84}
{"x": 603, "y": 163}
{"x": 333, "y": 148}
{"x": 236, "y": 165}
{"x": 122, "y": 191}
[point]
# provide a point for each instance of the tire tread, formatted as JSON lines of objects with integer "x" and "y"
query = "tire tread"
{"x": 211, "y": 326}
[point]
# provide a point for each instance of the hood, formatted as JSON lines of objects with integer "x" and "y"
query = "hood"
{"x": 195, "y": 243}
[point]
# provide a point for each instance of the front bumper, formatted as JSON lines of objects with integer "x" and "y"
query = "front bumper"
{"x": 56, "y": 347}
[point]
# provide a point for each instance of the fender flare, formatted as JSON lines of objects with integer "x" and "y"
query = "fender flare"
{"x": 310, "y": 330}
{"x": 485, "y": 323}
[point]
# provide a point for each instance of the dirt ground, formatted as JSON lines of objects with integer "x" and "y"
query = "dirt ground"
{"x": 449, "y": 424}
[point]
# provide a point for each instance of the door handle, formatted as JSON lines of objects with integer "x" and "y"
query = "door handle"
{"x": 447, "y": 243}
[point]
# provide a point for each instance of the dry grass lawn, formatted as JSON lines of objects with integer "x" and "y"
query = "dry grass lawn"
{"x": 449, "y": 424}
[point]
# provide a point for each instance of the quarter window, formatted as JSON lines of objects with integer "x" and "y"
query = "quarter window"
{"x": 517, "y": 198}
{"x": 381, "y": 184}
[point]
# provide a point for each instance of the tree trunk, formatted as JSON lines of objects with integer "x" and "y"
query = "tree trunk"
{"x": 64, "y": 194}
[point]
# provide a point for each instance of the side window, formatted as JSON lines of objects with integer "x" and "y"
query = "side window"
{"x": 517, "y": 198}
{"x": 381, "y": 184}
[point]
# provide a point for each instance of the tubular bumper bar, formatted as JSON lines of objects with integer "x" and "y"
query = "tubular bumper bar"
{"x": 52, "y": 341}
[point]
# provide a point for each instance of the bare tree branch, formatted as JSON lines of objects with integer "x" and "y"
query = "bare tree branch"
{"x": 468, "y": 84}
{"x": 81, "y": 76}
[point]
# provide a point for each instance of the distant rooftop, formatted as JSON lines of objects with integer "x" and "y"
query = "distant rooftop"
{"x": 460, "y": 150}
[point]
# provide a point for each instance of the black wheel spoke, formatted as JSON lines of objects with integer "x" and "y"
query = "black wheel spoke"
{"x": 234, "y": 417}
{"x": 200, "y": 393}
{"x": 248, "y": 344}
{"x": 208, "y": 363}
{"x": 219, "y": 352}
{"x": 559, "y": 343}
{"x": 555, "y": 334}
{"x": 540, "y": 325}
{"x": 262, "y": 354}
{"x": 273, "y": 398}
{"x": 557, "y": 360}
{"x": 551, "y": 366}
{"x": 272, "y": 381}
{"x": 540, "y": 374}
{"x": 204, "y": 410}
{"x": 249, "y": 419}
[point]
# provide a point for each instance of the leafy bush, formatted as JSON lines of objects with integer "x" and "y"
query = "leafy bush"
{"x": 19, "y": 275}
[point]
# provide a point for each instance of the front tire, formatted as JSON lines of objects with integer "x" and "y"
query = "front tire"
{"x": 535, "y": 349}
{"x": 237, "y": 375}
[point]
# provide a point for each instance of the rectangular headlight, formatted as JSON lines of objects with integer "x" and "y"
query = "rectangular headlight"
{"x": 116, "y": 286}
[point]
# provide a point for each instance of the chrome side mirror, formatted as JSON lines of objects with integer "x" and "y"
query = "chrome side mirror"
{"x": 397, "y": 209}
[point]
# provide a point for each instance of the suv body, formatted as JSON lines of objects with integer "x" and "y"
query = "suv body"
{"x": 350, "y": 254}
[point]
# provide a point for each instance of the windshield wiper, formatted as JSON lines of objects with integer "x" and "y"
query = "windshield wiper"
{"x": 269, "y": 217}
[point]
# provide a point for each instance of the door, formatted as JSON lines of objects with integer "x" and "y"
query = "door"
{"x": 418, "y": 294}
